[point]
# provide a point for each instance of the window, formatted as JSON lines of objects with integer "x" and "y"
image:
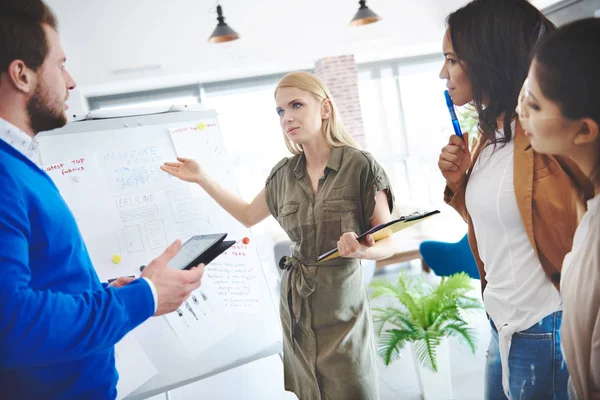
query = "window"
{"x": 250, "y": 127}
{"x": 150, "y": 98}
{"x": 252, "y": 135}
{"x": 406, "y": 126}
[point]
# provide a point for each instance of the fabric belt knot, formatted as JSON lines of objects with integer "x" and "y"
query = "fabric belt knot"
{"x": 300, "y": 286}
{"x": 505, "y": 335}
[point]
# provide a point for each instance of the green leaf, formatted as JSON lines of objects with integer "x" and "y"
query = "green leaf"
{"x": 425, "y": 351}
{"x": 385, "y": 288}
{"x": 454, "y": 286}
{"x": 381, "y": 316}
{"x": 393, "y": 316}
{"x": 413, "y": 307}
{"x": 396, "y": 290}
{"x": 401, "y": 320}
{"x": 391, "y": 343}
{"x": 450, "y": 312}
{"x": 464, "y": 334}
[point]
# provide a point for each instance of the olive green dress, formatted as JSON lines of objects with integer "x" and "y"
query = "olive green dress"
{"x": 328, "y": 338}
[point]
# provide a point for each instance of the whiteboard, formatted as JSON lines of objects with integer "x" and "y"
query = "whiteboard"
{"x": 107, "y": 171}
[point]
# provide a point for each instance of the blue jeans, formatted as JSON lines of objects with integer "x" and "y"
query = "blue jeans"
{"x": 537, "y": 369}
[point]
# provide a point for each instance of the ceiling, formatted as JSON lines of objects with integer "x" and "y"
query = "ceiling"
{"x": 117, "y": 46}
{"x": 122, "y": 45}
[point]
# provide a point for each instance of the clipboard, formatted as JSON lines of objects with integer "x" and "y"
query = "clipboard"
{"x": 382, "y": 231}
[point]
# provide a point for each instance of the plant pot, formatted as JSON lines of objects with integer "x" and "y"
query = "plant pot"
{"x": 435, "y": 386}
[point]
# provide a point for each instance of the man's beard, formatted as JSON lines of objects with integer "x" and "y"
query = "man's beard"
{"x": 42, "y": 116}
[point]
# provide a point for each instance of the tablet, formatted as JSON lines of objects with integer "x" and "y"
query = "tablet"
{"x": 200, "y": 249}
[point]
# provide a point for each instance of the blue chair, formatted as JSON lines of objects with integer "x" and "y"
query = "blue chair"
{"x": 446, "y": 259}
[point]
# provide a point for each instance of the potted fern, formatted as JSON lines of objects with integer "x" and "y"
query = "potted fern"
{"x": 425, "y": 316}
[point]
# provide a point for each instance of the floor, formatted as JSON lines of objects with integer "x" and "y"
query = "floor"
{"x": 264, "y": 379}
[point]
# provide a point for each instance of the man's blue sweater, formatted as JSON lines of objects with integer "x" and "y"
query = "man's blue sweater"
{"x": 58, "y": 323}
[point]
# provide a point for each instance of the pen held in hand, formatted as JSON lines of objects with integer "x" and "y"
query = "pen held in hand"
{"x": 455, "y": 124}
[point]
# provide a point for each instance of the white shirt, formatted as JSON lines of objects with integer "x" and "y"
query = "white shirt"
{"x": 30, "y": 148}
{"x": 580, "y": 331}
{"x": 22, "y": 142}
{"x": 518, "y": 293}
{"x": 585, "y": 241}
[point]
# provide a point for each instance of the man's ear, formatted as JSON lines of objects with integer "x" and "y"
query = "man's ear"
{"x": 20, "y": 76}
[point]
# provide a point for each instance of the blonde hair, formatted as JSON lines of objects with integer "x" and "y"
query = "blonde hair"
{"x": 333, "y": 129}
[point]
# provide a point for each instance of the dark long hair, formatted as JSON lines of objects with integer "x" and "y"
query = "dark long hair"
{"x": 567, "y": 64}
{"x": 494, "y": 40}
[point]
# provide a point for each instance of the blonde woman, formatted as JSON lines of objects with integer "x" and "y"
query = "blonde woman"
{"x": 322, "y": 196}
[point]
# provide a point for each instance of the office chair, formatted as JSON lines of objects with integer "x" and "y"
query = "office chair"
{"x": 446, "y": 259}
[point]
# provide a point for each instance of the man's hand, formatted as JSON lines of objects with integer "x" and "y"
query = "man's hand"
{"x": 122, "y": 281}
{"x": 173, "y": 286}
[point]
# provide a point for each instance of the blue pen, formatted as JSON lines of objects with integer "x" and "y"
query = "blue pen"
{"x": 455, "y": 123}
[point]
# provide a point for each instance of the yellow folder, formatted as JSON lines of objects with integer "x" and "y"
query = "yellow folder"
{"x": 385, "y": 230}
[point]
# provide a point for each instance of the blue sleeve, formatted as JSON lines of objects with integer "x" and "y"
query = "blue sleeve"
{"x": 39, "y": 327}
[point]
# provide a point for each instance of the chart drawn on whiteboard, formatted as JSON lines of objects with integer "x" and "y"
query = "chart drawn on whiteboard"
{"x": 186, "y": 207}
{"x": 157, "y": 235}
{"x": 133, "y": 238}
{"x": 201, "y": 321}
{"x": 204, "y": 297}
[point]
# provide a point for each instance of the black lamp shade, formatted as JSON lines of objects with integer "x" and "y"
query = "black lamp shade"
{"x": 364, "y": 15}
{"x": 223, "y": 32}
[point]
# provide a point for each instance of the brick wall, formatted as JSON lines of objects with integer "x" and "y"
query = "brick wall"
{"x": 340, "y": 75}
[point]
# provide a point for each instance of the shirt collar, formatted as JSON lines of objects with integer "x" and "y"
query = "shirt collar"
{"x": 21, "y": 141}
{"x": 335, "y": 159}
{"x": 333, "y": 164}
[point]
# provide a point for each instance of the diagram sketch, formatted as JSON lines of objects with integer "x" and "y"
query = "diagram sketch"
{"x": 157, "y": 234}
{"x": 133, "y": 238}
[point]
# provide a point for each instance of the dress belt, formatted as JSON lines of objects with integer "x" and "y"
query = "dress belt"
{"x": 300, "y": 286}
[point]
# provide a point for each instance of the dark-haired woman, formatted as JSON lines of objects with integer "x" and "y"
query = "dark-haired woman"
{"x": 559, "y": 110}
{"x": 521, "y": 206}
